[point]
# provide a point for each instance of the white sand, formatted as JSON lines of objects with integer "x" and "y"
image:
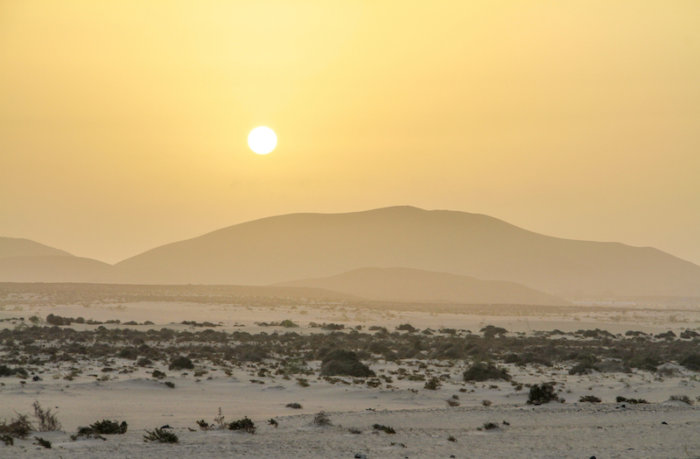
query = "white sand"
{"x": 421, "y": 417}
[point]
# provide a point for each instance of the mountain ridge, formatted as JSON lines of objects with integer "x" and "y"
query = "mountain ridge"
{"x": 278, "y": 248}
{"x": 306, "y": 245}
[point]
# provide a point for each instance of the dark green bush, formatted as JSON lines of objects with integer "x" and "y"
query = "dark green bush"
{"x": 181, "y": 363}
{"x": 19, "y": 427}
{"x": 41, "y": 442}
{"x": 160, "y": 436}
{"x": 482, "y": 371}
{"x": 542, "y": 393}
{"x": 691, "y": 362}
{"x": 244, "y": 425}
{"x": 344, "y": 363}
{"x": 385, "y": 429}
{"x": 632, "y": 401}
{"x": 18, "y": 371}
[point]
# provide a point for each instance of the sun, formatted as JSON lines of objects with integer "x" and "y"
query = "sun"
{"x": 262, "y": 140}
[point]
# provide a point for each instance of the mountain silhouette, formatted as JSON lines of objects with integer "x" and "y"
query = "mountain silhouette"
{"x": 22, "y": 260}
{"x": 18, "y": 247}
{"x": 311, "y": 245}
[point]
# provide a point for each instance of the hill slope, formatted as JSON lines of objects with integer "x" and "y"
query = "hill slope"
{"x": 17, "y": 247}
{"x": 414, "y": 285}
{"x": 56, "y": 268}
{"x": 295, "y": 246}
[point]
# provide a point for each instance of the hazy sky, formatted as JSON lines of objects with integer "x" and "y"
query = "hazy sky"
{"x": 123, "y": 124}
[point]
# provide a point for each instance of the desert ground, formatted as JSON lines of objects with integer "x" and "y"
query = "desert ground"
{"x": 247, "y": 376}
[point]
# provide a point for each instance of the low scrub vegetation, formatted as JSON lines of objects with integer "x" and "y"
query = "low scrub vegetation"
{"x": 181, "y": 363}
{"x": 46, "y": 419}
{"x": 542, "y": 393}
{"x": 344, "y": 363}
{"x": 109, "y": 427}
{"x": 482, "y": 371}
{"x": 342, "y": 353}
{"x": 632, "y": 401}
{"x": 321, "y": 419}
{"x": 681, "y": 398}
{"x": 42, "y": 442}
{"x": 383, "y": 428}
{"x": 243, "y": 425}
{"x": 17, "y": 427}
{"x": 160, "y": 436}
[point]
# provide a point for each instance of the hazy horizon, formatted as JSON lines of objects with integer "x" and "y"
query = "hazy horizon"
{"x": 354, "y": 229}
{"x": 187, "y": 238}
{"x": 123, "y": 125}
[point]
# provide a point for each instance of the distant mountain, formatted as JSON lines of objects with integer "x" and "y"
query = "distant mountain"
{"x": 414, "y": 285}
{"x": 22, "y": 260}
{"x": 16, "y": 247}
{"x": 53, "y": 268}
{"x": 298, "y": 246}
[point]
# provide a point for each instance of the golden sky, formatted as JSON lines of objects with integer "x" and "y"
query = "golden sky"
{"x": 123, "y": 124}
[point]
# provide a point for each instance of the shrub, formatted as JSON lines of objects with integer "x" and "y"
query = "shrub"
{"x": 489, "y": 426}
{"x": 407, "y": 327}
{"x": 7, "y": 439}
{"x": 491, "y": 331}
{"x": 582, "y": 369}
{"x": 385, "y": 429}
{"x": 128, "y": 353}
{"x": 589, "y": 399}
{"x": 321, "y": 419}
{"x": 344, "y": 363}
{"x": 18, "y": 371}
{"x": 41, "y": 442}
{"x": 432, "y": 384}
{"x": 482, "y": 371}
{"x": 47, "y": 420}
{"x": 161, "y": 436}
{"x": 685, "y": 334}
{"x": 57, "y": 320}
{"x": 181, "y": 363}
{"x": 644, "y": 362}
{"x": 669, "y": 335}
{"x": 219, "y": 420}
{"x": 294, "y": 406}
{"x": 245, "y": 425}
{"x": 691, "y": 362}
{"x": 19, "y": 427}
{"x": 158, "y": 374}
{"x": 542, "y": 393}
{"x": 108, "y": 427}
{"x": 681, "y": 398}
{"x": 633, "y": 401}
